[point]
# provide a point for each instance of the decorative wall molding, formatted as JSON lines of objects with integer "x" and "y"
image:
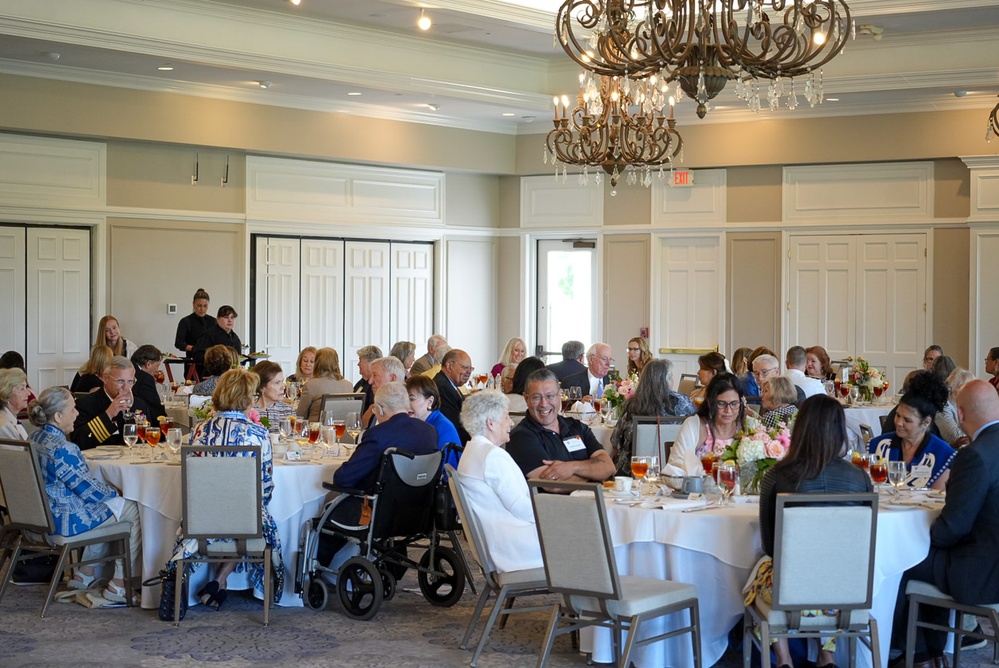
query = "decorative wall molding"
{"x": 547, "y": 202}
{"x": 703, "y": 203}
{"x": 305, "y": 191}
{"x": 984, "y": 187}
{"x": 55, "y": 173}
{"x": 879, "y": 192}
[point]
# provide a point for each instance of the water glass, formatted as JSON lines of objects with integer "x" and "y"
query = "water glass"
{"x": 727, "y": 476}
{"x": 284, "y": 428}
{"x": 129, "y": 435}
{"x": 174, "y": 439}
{"x": 897, "y": 475}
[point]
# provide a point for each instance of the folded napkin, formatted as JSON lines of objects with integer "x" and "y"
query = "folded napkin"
{"x": 583, "y": 409}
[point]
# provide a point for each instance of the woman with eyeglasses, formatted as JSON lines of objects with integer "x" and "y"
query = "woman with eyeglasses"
{"x": 713, "y": 427}
{"x": 638, "y": 355}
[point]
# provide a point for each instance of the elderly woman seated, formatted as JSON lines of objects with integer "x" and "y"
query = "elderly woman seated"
{"x": 78, "y": 500}
{"x": 495, "y": 487}
{"x": 777, "y": 403}
{"x": 13, "y": 399}
{"x": 218, "y": 360}
{"x": 327, "y": 380}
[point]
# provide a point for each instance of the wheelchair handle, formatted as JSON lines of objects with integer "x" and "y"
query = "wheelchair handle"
{"x": 399, "y": 451}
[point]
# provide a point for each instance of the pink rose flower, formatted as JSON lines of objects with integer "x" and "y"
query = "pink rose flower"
{"x": 775, "y": 449}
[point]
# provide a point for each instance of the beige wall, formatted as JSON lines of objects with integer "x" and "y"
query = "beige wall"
{"x": 627, "y": 283}
{"x": 950, "y": 292}
{"x": 471, "y": 200}
{"x": 951, "y": 189}
{"x": 508, "y": 297}
{"x": 753, "y": 294}
{"x": 754, "y": 194}
{"x": 631, "y": 206}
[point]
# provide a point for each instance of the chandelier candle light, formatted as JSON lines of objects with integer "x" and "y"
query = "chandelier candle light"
{"x": 993, "y": 125}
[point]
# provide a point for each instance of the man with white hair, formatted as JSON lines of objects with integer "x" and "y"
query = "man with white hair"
{"x": 431, "y": 358}
{"x": 383, "y": 371}
{"x": 765, "y": 367}
{"x": 101, "y": 413}
{"x": 592, "y": 380}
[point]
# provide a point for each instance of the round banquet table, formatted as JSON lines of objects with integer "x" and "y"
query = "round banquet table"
{"x": 869, "y": 415}
{"x": 716, "y": 550}
{"x": 298, "y": 496}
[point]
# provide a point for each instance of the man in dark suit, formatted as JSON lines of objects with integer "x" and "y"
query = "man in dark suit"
{"x": 572, "y": 353}
{"x": 101, "y": 413}
{"x": 593, "y": 379}
{"x": 147, "y": 360}
{"x": 395, "y": 429}
{"x": 964, "y": 540}
{"x": 456, "y": 367}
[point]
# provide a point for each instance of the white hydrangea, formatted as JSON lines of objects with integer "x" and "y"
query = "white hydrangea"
{"x": 750, "y": 450}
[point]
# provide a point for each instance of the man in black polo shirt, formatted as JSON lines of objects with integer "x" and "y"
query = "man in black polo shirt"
{"x": 547, "y": 446}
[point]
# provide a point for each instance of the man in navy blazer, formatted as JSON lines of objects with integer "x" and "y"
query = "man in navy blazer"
{"x": 395, "y": 429}
{"x": 964, "y": 540}
{"x": 102, "y": 412}
{"x": 592, "y": 380}
{"x": 572, "y": 353}
{"x": 456, "y": 368}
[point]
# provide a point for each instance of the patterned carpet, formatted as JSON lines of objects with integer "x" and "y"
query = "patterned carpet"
{"x": 407, "y": 631}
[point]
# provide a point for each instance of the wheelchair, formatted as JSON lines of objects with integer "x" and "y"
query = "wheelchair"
{"x": 402, "y": 517}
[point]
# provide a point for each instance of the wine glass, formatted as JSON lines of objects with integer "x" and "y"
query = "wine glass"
{"x": 879, "y": 473}
{"x": 173, "y": 438}
{"x": 153, "y": 439}
{"x": 896, "y": 475}
{"x": 652, "y": 475}
{"x": 854, "y": 395}
{"x": 353, "y": 424}
{"x": 708, "y": 462}
{"x": 284, "y": 428}
{"x": 639, "y": 468}
{"x": 129, "y": 435}
{"x": 727, "y": 474}
{"x": 340, "y": 427}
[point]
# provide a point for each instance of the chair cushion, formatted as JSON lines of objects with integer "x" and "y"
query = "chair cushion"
{"x": 926, "y": 589}
{"x": 638, "y": 596}
{"x": 229, "y": 547}
{"x": 106, "y": 529}
{"x": 778, "y": 618}
{"x": 529, "y": 576}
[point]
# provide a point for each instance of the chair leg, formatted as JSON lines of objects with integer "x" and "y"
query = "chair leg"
{"x": 56, "y": 577}
{"x": 127, "y": 563}
{"x": 506, "y": 606}
{"x": 546, "y": 649}
{"x": 852, "y": 644}
{"x": 629, "y": 645}
{"x": 747, "y": 639}
{"x": 910, "y": 632}
{"x": 178, "y": 591}
{"x": 476, "y": 615}
{"x": 499, "y": 606}
{"x": 875, "y": 643}
{"x": 268, "y": 584}
{"x": 695, "y": 636}
{"x": 764, "y": 643}
{"x": 10, "y": 571}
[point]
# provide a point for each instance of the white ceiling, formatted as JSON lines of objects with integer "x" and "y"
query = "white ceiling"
{"x": 487, "y": 64}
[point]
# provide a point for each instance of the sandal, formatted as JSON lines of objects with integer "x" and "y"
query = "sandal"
{"x": 81, "y": 581}
{"x": 114, "y": 593}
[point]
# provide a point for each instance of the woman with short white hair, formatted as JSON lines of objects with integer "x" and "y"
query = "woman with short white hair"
{"x": 495, "y": 487}
{"x": 14, "y": 395}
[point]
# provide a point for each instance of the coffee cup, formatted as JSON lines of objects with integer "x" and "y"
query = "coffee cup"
{"x": 693, "y": 484}
{"x": 622, "y": 483}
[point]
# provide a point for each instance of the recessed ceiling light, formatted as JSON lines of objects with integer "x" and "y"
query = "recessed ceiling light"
{"x": 509, "y": 113}
{"x": 264, "y": 84}
{"x": 53, "y": 56}
{"x": 353, "y": 93}
{"x": 424, "y": 22}
{"x": 166, "y": 67}
{"x": 433, "y": 107}
{"x": 295, "y": 2}
{"x": 832, "y": 99}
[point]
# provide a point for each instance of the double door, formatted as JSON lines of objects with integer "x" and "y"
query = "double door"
{"x": 339, "y": 293}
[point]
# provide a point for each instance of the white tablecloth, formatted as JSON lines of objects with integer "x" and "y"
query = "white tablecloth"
{"x": 603, "y": 433}
{"x": 716, "y": 550}
{"x": 869, "y": 415}
{"x": 298, "y": 496}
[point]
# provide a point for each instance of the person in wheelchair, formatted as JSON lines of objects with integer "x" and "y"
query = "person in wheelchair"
{"x": 395, "y": 429}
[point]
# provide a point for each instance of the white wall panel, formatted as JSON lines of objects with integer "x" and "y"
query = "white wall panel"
{"x": 277, "y": 300}
{"x": 322, "y": 313}
{"x": 12, "y": 288}
{"x": 366, "y": 311}
{"x": 471, "y": 299}
{"x": 984, "y": 187}
{"x": 547, "y": 202}
{"x": 703, "y": 203}
{"x": 54, "y": 173}
{"x": 886, "y": 192}
{"x": 984, "y": 305}
{"x": 412, "y": 294}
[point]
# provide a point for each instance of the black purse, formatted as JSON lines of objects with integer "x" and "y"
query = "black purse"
{"x": 167, "y": 580}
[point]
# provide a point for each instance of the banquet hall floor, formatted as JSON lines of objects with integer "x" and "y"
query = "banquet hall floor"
{"x": 406, "y": 632}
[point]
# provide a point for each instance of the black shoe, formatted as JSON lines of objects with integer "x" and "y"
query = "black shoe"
{"x": 208, "y": 593}
{"x": 969, "y": 642}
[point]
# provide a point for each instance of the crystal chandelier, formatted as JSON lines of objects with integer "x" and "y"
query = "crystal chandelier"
{"x": 701, "y": 45}
{"x": 618, "y": 124}
{"x": 993, "y": 127}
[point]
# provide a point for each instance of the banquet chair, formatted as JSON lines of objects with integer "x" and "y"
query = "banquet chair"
{"x": 222, "y": 499}
{"x": 31, "y": 532}
{"x": 504, "y": 586}
{"x": 580, "y": 565}
{"x": 342, "y": 404}
{"x": 839, "y": 576}
{"x": 688, "y": 381}
{"x": 866, "y": 433}
{"x": 924, "y": 593}
{"x": 883, "y": 419}
{"x": 654, "y": 435}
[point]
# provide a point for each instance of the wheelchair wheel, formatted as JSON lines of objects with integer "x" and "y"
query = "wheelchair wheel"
{"x": 359, "y": 588}
{"x": 442, "y": 590}
{"x": 388, "y": 584}
{"x": 317, "y": 593}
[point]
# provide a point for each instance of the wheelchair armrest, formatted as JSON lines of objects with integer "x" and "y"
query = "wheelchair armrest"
{"x": 343, "y": 490}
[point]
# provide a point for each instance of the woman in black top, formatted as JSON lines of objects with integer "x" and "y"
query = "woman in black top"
{"x": 194, "y": 324}
{"x": 814, "y": 464}
{"x": 219, "y": 333}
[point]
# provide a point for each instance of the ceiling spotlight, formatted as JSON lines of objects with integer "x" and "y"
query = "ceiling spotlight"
{"x": 424, "y": 22}
{"x": 53, "y": 56}
{"x": 295, "y": 2}
{"x": 960, "y": 93}
{"x": 165, "y": 67}
{"x": 509, "y": 113}
{"x": 433, "y": 107}
{"x": 353, "y": 93}
{"x": 264, "y": 84}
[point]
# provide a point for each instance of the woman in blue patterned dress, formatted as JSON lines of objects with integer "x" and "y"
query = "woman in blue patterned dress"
{"x": 79, "y": 501}
{"x": 233, "y": 396}
{"x": 927, "y": 456}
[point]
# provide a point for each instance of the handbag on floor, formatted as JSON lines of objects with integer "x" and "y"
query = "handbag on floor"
{"x": 167, "y": 580}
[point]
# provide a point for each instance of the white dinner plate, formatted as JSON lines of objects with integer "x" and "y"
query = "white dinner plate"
{"x": 899, "y": 506}
{"x": 620, "y": 495}
{"x": 110, "y": 448}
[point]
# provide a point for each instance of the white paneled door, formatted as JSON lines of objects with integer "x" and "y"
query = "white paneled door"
{"x": 322, "y": 313}
{"x": 690, "y": 306}
{"x": 57, "y": 304}
{"x": 860, "y": 295}
{"x": 12, "y": 290}
{"x": 411, "y": 298}
{"x": 277, "y": 294}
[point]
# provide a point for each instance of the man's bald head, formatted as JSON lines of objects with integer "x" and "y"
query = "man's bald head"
{"x": 977, "y": 405}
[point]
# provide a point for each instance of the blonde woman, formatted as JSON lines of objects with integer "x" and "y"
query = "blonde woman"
{"x": 327, "y": 380}
{"x": 638, "y": 355}
{"x": 109, "y": 334}
{"x": 90, "y": 375}
{"x": 514, "y": 353}
{"x": 305, "y": 366}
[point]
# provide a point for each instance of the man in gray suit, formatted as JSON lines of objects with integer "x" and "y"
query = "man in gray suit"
{"x": 434, "y": 343}
{"x": 964, "y": 540}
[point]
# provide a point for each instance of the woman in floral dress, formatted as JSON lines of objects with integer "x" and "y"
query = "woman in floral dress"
{"x": 713, "y": 427}
{"x": 230, "y": 425}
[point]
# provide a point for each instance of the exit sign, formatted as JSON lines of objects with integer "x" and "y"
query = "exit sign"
{"x": 684, "y": 178}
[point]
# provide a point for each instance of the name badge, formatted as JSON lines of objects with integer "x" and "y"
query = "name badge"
{"x": 574, "y": 444}
{"x": 920, "y": 471}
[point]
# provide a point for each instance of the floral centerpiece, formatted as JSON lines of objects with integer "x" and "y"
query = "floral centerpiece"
{"x": 615, "y": 394}
{"x": 756, "y": 449}
{"x": 865, "y": 378}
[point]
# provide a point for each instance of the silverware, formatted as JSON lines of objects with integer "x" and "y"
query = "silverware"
{"x": 700, "y": 508}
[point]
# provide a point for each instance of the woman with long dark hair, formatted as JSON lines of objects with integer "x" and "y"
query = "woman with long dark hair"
{"x": 713, "y": 427}
{"x": 814, "y": 464}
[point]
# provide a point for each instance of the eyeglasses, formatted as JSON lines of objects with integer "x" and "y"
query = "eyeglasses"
{"x": 549, "y": 398}
{"x": 122, "y": 382}
{"x": 728, "y": 405}
{"x": 606, "y": 360}
{"x": 763, "y": 373}
{"x": 633, "y": 350}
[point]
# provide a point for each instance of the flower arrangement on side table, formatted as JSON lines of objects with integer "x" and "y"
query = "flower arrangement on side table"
{"x": 865, "y": 378}
{"x": 756, "y": 449}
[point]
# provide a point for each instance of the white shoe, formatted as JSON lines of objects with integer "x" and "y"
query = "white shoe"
{"x": 81, "y": 581}
{"x": 114, "y": 593}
